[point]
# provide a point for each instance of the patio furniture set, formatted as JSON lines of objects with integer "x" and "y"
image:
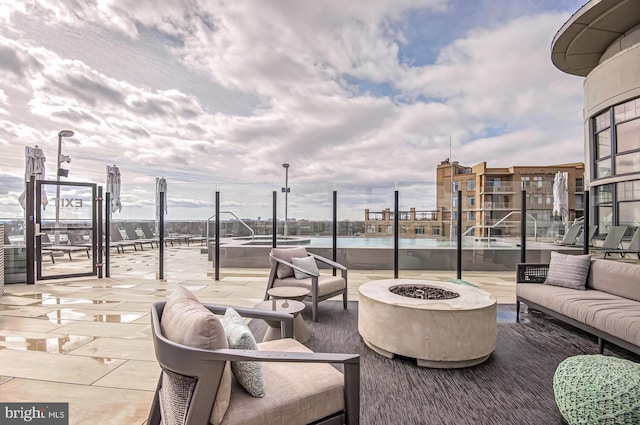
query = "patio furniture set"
{"x": 279, "y": 380}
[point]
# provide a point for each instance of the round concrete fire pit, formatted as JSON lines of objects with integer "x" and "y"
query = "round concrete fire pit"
{"x": 440, "y": 333}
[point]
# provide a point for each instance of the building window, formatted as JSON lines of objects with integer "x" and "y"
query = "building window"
{"x": 471, "y": 201}
{"x": 455, "y": 187}
{"x": 524, "y": 182}
{"x": 389, "y": 229}
{"x": 537, "y": 200}
{"x": 371, "y": 228}
{"x": 403, "y": 230}
{"x": 604, "y": 207}
{"x": 471, "y": 185}
{"x": 419, "y": 230}
{"x": 454, "y": 202}
{"x": 617, "y": 152}
{"x": 435, "y": 230}
{"x": 471, "y": 215}
{"x": 579, "y": 184}
{"x": 537, "y": 181}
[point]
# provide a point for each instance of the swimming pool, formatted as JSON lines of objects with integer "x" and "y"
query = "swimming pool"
{"x": 373, "y": 242}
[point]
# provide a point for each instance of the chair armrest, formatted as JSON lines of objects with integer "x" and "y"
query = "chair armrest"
{"x": 327, "y": 261}
{"x": 286, "y": 319}
{"x": 531, "y": 272}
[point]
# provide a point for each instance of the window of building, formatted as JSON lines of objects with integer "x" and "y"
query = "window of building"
{"x": 549, "y": 200}
{"x": 471, "y": 215}
{"x": 579, "y": 184}
{"x": 389, "y": 229}
{"x": 537, "y": 181}
{"x": 403, "y": 230}
{"x": 454, "y": 202}
{"x": 471, "y": 185}
{"x": 537, "y": 200}
{"x": 604, "y": 207}
{"x": 371, "y": 228}
{"x": 471, "y": 201}
{"x": 524, "y": 182}
{"x": 419, "y": 230}
{"x": 435, "y": 230}
{"x": 456, "y": 186}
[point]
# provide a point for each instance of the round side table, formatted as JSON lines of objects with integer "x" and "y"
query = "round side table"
{"x": 282, "y": 306}
{"x": 300, "y": 330}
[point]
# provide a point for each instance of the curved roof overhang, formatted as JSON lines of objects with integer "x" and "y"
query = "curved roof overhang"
{"x": 580, "y": 43}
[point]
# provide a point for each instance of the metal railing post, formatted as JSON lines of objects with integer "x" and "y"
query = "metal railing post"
{"x": 459, "y": 238}
{"x": 396, "y": 234}
{"x": 107, "y": 235}
{"x": 216, "y": 250}
{"x": 335, "y": 229}
{"x": 586, "y": 222}
{"x": 523, "y": 228}
{"x": 161, "y": 235}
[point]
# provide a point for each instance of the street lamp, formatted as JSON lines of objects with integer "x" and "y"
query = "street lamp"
{"x": 286, "y": 190}
{"x": 60, "y": 172}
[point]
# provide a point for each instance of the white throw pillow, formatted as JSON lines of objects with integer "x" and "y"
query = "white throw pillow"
{"x": 248, "y": 373}
{"x": 307, "y": 263}
{"x": 569, "y": 271}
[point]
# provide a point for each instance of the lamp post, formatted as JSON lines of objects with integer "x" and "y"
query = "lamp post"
{"x": 453, "y": 171}
{"x": 285, "y": 189}
{"x": 59, "y": 172}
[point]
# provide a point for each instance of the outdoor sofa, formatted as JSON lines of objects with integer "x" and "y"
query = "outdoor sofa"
{"x": 601, "y": 297}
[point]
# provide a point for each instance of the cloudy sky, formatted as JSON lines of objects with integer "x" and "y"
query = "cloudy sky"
{"x": 219, "y": 92}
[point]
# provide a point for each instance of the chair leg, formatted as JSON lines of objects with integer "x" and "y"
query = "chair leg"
{"x": 314, "y": 309}
{"x": 344, "y": 299}
{"x": 517, "y": 311}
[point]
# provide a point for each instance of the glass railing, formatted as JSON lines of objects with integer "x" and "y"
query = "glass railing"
{"x": 365, "y": 226}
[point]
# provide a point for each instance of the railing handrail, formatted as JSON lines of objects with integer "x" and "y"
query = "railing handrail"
{"x": 253, "y": 233}
{"x": 502, "y": 220}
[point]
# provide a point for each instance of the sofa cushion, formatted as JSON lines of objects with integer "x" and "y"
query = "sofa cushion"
{"x": 327, "y": 284}
{"x": 287, "y": 254}
{"x": 307, "y": 263}
{"x": 569, "y": 271}
{"x": 609, "y": 313}
{"x": 295, "y": 393}
{"x": 247, "y": 373}
{"x": 615, "y": 277}
{"x": 186, "y": 321}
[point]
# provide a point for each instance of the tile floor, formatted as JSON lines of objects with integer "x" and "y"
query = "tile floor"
{"x": 86, "y": 341}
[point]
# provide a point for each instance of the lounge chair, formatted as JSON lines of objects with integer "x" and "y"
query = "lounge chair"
{"x": 571, "y": 236}
{"x": 592, "y": 233}
{"x": 613, "y": 241}
{"x": 148, "y": 233}
{"x": 321, "y": 286}
{"x": 301, "y": 386}
{"x": 118, "y": 241}
{"x": 66, "y": 249}
{"x": 633, "y": 248}
{"x": 132, "y": 235}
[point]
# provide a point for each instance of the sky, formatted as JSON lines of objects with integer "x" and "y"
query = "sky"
{"x": 217, "y": 95}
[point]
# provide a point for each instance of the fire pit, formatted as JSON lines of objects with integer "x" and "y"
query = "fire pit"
{"x": 423, "y": 292}
{"x": 440, "y": 324}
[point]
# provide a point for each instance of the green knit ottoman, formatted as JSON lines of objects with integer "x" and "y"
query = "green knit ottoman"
{"x": 598, "y": 390}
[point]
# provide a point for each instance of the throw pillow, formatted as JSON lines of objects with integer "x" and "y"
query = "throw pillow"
{"x": 307, "y": 263}
{"x": 187, "y": 322}
{"x": 287, "y": 254}
{"x": 569, "y": 271}
{"x": 248, "y": 373}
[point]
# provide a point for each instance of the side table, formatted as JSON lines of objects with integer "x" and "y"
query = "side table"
{"x": 284, "y": 306}
{"x": 296, "y": 293}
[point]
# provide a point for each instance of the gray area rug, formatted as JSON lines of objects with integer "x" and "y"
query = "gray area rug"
{"x": 514, "y": 386}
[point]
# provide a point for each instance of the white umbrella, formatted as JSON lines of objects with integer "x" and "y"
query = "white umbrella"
{"x": 34, "y": 166}
{"x": 560, "y": 196}
{"x": 161, "y": 186}
{"x": 113, "y": 187}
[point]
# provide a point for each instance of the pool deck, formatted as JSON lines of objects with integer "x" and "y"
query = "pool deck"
{"x": 87, "y": 341}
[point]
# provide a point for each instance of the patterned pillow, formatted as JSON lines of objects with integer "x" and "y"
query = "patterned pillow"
{"x": 308, "y": 263}
{"x": 248, "y": 374}
{"x": 569, "y": 271}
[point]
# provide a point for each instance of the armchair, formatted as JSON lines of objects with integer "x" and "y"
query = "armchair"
{"x": 320, "y": 286}
{"x": 300, "y": 386}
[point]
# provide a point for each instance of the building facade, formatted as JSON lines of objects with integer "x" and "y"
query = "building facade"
{"x": 412, "y": 223}
{"x": 492, "y": 198}
{"x": 601, "y": 42}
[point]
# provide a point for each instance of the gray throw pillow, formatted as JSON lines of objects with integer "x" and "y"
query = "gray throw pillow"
{"x": 307, "y": 263}
{"x": 569, "y": 271}
{"x": 248, "y": 373}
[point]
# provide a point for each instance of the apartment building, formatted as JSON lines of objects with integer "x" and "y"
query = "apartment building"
{"x": 492, "y": 198}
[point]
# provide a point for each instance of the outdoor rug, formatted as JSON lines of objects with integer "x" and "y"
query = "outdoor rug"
{"x": 514, "y": 386}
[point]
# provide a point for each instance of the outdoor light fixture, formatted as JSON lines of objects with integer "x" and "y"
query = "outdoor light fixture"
{"x": 60, "y": 172}
{"x": 286, "y": 190}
